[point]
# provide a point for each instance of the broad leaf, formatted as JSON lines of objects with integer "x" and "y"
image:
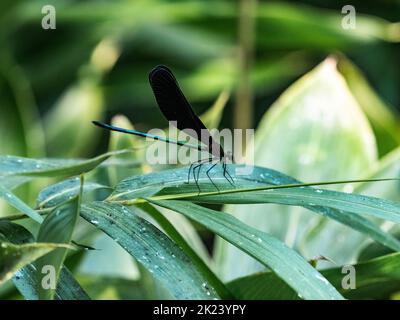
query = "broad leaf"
{"x": 315, "y": 131}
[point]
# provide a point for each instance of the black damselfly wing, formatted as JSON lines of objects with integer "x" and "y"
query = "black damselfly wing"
{"x": 175, "y": 107}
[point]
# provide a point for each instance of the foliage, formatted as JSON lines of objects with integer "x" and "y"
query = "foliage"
{"x": 115, "y": 227}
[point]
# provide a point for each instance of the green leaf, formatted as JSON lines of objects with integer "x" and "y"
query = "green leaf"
{"x": 315, "y": 131}
{"x": 173, "y": 233}
{"x": 70, "y": 119}
{"x": 289, "y": 19}
{"x": 388, "y": 166}
{"x": 17, "y": 203}
{"x": 108, "y": 260}
{"x": 26, "y": 279}
{"x": 11, "y": 166}
{"x": 71, "y": 116}
{"x": 345, "y": 208}
{"x": 58, "y": 227}
{"x": 63, "y": 191}
{"x": 151, "y": 248}
{"x": 14, "y": 233}
{"x": 375, "y": 279}
{"x": 14, "y": 257}
{"x": 285, "y": 262}
{"x": 384, "y": 119}
{"x": 13, "y": 182}
{"x": 22, "y": 125}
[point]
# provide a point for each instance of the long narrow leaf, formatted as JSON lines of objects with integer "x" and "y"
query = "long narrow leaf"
{"x": 151, "y": 248}
{"x": 269, "y": 186}
{"x": 58, "y": 227}
{"x": 285, "y": 262}
{"x": 171, "y": 231}
{"x": 18, "y": 204}
{"x": 11, "y": 165}
{"x": 63, "y": 191}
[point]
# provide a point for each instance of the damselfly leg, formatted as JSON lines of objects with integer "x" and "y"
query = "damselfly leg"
{"x": 196, "y": 174}
{"x": 226, "y": 174}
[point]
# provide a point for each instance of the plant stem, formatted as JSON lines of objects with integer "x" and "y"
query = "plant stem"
{"x": 243, "y": 115}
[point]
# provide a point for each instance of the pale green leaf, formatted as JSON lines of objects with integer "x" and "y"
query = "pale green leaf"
{"x": 315, "y": 131}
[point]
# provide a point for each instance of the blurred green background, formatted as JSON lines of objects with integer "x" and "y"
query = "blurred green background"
{"x": 95, "y": 63}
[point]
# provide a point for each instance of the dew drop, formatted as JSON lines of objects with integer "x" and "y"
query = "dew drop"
{"x": 348, "y": 188}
